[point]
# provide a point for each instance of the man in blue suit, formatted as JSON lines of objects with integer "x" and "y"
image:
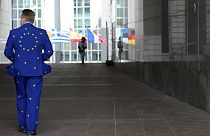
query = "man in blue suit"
{"x": 27, "y": 48}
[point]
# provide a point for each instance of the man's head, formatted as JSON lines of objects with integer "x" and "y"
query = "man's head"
{"x": 120, "y": 38}
{"x": 83, "y": 39}
{"x": 27, "y": 16}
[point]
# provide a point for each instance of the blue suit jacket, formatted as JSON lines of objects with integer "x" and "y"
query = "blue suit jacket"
{"x": 28, "y": 47}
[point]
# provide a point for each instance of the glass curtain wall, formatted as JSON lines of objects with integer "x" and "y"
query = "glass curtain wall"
{"x": 82, "y": 21}
{"x": 36, "y": 5}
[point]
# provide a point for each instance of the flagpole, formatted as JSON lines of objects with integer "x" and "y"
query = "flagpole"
{"x": 107, "y": 42}
{"x": 87, "y": 41}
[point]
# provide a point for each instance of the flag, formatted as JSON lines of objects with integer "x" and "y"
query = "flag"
{"x": 94, "y": 38}
{"x": 59, "y": 36}
{"x": 75, "y": 37}
{"x": 132, "y": 39}
{"x": 125, "y": 33}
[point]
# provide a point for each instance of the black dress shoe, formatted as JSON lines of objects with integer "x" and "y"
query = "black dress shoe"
{"x": 31, "y": 133}
{"x": 22, "y": 129}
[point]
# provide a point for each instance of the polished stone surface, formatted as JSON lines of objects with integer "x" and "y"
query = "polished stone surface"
{"x": 95, "y": 100}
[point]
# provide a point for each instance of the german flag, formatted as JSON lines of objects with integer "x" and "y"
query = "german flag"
{"x": 132, "y": 39}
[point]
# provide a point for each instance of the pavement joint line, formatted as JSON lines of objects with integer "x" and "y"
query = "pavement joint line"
{"x": 108, "y": 84}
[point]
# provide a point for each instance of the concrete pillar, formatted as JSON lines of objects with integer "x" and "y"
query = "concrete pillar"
{"x": 58, "y": 27}
{"x": 5, "y": 25}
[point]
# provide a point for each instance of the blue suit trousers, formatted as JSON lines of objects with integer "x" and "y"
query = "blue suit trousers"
{"x": 28, "y": 91}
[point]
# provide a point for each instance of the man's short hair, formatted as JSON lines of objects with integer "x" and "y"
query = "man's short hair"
{"x": 29, "y": 15}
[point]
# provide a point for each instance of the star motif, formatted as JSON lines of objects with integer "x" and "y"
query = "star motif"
{"x": 28, "y": 50}
{"x": 28, "y": 115}
{"x": 21, "y": 37}
{"x": 33, "y": 34}
{"x": 18, "y": 97}
{"x": 22, "y": 111}
{"x": 18, "y": 73}
{"x": 35, "y": 46}
{"x": 35, "y": 37}
{"x": 25, "y": 62}
{"x": 34, "y": 67}
{"x": 37, "y": 107}
{"x": 21, "y": 46}
{"x": 37, "y": 41}
{"x": 20, "y": 41}
{"x": 24, "y": 34}
{"x": 25, "y": 28}
{"x": 49, "y": 51}
{"x": 37, "y": 57}
{"x": 32, "y": 49}
{"x": 30, "y": 99}
{"x": 13, "y": 36}
{"x": 24, "y": 49}
{"x": 28, "y": 33}
{"x": 18, "y": 56}
{"x": 41, "y": 33}
{"x": 17, "y": 82}
{"x": 12, "y": 66}
{"x": 37, "y": 122}
{"x": 34, "y": 85}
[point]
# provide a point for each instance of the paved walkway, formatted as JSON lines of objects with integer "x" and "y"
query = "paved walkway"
{"x": 93, "y": 100}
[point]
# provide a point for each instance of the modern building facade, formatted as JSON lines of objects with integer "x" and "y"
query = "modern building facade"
{"x": 36, "y": 5}
{"x": 172, "y": 49}
{"x": 84, "y": 17}
{"x": 78, "y": 15}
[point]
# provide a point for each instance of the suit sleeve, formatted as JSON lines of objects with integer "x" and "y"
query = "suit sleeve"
{"x": 9, "y": 49}
{"x": 48, "y": 50}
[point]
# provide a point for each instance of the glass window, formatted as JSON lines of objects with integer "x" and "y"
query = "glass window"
{"x": 80, "y": 12}
{"x": 120, "y": 12}
{"x": 87, "y": 2}
{"x": 80, "y": 2}
{"x": 39, "y": 24}
{"x": 73, "y": 56}
{"x": 99, "y": 46}
{"x": 87, "y": 23}
{"x": 73, "y": 46}
{"x": 39, "y": 3}
{"x": 99, "y": 56}
{"x": 75, "y": 12}
{"x": 90, "y": 46}
{"x": 62, "y": 56}
{"x": 20, "y": 3}
{"x": 14, "y": 3}
{"x": 66, "y": 55}
{"x": 19, "y": 13}
{"x": 94, "y": 56}
{"x": 34, "y": 2}
{"x": 14, "y": 14}
{"x": 80, "y": 23}
{"x": 75, "y": 3}
{"x": 66, "y": 46}
{"x": 39, "y": 13}
{"x": 75, "y": 23}
{"x": 122, "y": 2}
{"x": 95, "y": 46}
{"x": 87, "y": 12}
{"x": 14, "y": 23}
{"x": 120, "y": 22}
{"x": 27, "y": 3}
{"x": 80, "y": 31}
